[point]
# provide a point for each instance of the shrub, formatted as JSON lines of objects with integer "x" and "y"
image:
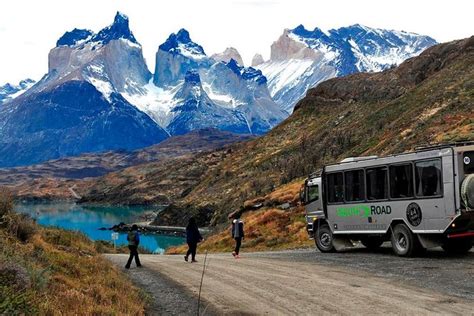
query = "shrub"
{"x": 6, "y": 202}
{"x": 22, "y": 226}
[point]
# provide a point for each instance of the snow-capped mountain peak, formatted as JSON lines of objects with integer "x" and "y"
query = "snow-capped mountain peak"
{"x": 118, "y": 29}
{"x": 10, "y": 91}
{"x": 181, "y": 44}
{"x": 302, "y": 58}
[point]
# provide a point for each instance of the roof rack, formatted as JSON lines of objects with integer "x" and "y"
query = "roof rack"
{"x": 315, "y": 174}
{"x": 443, "y": 145}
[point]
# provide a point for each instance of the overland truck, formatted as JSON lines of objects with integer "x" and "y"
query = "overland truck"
{"x": 417, "y": 200}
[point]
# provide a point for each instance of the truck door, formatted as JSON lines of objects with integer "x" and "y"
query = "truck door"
{"x": 312, "y": 200}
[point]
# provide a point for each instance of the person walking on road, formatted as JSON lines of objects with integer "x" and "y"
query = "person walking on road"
{"x": 193, "y": 237}
{"x": 238, "y": 235}
{"x": 133, "y": 239}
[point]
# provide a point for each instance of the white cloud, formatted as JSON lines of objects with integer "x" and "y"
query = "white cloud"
{"x": 249, "y": 25}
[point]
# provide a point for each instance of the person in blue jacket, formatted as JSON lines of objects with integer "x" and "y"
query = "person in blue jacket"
{"x": 193, "y": 237}
{"x": 133, "y": 238}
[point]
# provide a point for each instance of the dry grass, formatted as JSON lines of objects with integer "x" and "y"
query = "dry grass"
{"x": 265, "y": 229}
{"x": 56, "y": 272}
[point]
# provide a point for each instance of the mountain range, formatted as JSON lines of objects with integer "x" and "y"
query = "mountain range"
{"x": 99, "y": 94}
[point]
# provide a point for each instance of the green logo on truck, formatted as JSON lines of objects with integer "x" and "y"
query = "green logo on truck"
{"x": 363, "y": 210}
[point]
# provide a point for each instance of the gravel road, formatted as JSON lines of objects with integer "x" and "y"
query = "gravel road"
{"x": 308, "y": 282}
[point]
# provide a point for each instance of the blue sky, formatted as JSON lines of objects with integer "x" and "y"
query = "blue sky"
{"x": 30, "y": 28}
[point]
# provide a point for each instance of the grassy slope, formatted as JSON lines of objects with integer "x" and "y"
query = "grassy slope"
{"x": 58, "y": 272}
{"x": 427, "y": 99}
{"x": 268, "y": 228}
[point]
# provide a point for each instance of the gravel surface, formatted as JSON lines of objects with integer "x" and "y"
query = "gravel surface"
{"x": 435, "y": 270}
{"x": 166, "y": 296}
{"x": 355, "y": 282}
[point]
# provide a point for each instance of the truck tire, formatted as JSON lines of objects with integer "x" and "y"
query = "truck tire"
{"x": 324, "y": 239}
{"x": 372, "y": 242}
{"x": 404, "y": 243}
{"x": 458, "y": 247}
{"x": 467, "y": 191}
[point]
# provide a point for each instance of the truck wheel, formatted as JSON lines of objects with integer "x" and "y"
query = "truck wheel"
{"x": 372, "y": 242}
{"x": 404, "y": 243}
{"x": 324, "y": 239}
{"x": 458, "y": 247}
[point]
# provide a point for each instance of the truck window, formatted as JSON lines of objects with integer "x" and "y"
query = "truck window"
{"x": 312, "y": 193}
{"x": 354, "y": 185}
{"x": 428, "y": 178}
{"x": 401, "y": 181}
{"x": 376, "y": 180}
{"x": 335, "y": 187}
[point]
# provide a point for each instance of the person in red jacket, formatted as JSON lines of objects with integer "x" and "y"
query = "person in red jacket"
{"x": 237, "y": 234}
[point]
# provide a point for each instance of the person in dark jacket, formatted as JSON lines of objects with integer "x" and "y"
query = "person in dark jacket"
{"x": 193, "y": 237}
{"x": 238, "y": 235}
{"x": 133, "y": 239}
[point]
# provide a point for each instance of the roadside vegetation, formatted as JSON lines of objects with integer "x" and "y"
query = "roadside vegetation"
{"x": 272, "y": 222}
{"x": 51, "y": 271}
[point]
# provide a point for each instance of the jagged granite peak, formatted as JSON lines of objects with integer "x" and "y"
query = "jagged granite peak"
{"x": 175, "y": 57}
{"x": 181, "y": 43}
{"x": 119, "y": 29}
{"x": 74, "y": 37}
{"x": 257, "y": 60}
{"x": 228, "y": 54}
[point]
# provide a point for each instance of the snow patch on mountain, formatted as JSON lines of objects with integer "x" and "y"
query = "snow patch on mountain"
{"x": 9, "y": 91}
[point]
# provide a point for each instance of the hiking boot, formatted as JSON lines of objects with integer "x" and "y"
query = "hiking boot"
{"x": 127, "y": 267}
{"x": 193, "y": 260}
{"x": 233, "y": 253}
{"x": 186, "y": 258}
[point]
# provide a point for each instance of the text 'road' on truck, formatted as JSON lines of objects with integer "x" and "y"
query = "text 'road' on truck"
{"x": 417, "y": 200}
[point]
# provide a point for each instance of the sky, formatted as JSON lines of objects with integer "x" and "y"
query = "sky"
{"x": 30, "y": 28}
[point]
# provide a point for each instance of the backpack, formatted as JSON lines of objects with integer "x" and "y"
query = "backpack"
{"x": 132, "y": 238}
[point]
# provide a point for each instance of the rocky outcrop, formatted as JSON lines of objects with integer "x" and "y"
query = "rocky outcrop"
{"x": 287, "y": 47}
{"x": 257, "y": 60}
{"x": 228, "y": 54}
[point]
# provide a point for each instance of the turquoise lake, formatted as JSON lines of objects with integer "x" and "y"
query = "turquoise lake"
{"x": 89, "y": 219}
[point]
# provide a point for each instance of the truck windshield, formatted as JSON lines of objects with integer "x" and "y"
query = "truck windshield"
{"x": 312, "y": 193}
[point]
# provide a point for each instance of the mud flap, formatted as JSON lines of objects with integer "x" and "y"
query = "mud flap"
{"x": 429, "y": 241}
{"x": 341, "y": 243}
